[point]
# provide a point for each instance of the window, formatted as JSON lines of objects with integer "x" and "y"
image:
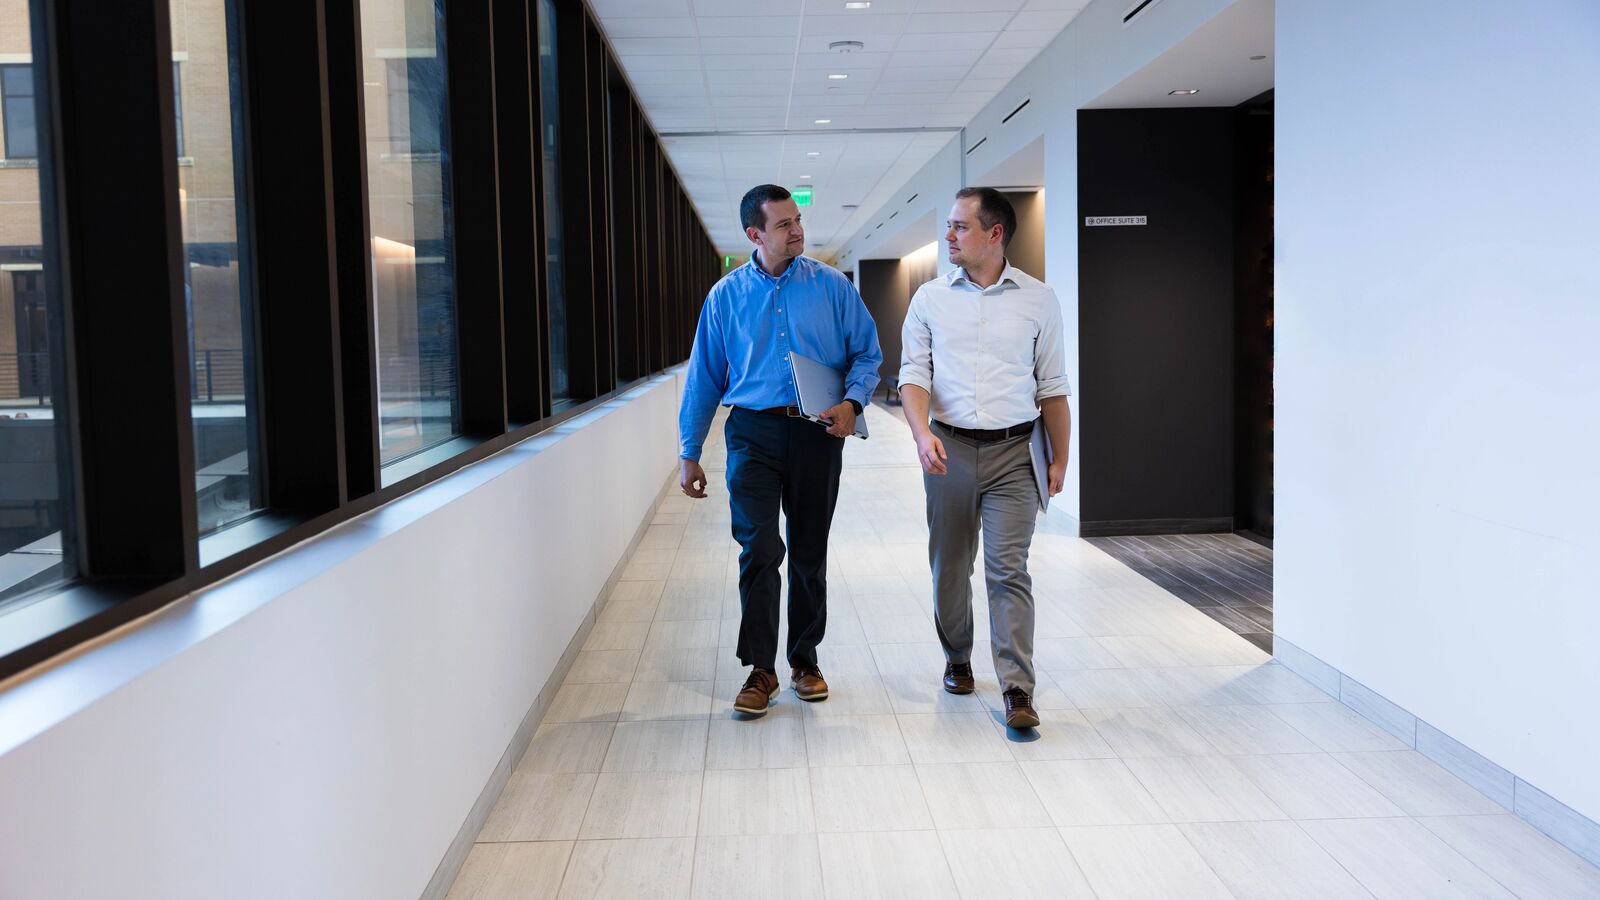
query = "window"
{"x": 177, "y": 103}
{"x": 416, "y": 103}
{"x": 411, "y": 218}
{"x": 550, "y": 148}
{"x": 221, "y": 381}
{"x": 16, "y": 101}
{"x": 34, "y": 476}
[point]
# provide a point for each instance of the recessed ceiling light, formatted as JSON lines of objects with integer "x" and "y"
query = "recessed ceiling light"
{"x": 805, "y": 176}
{"x": 821, "y": 121}
{"x": 850, "y": 206}
{"x": 812, "y": 153}
{"x": 1183, "y": 93}
{"x": 858, "y": 4}
{"x": 838, "y": 76}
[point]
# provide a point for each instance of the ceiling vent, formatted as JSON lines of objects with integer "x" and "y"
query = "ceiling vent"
{"x": 1020, "y": 107}
{"x": 980, "y": 143}
{"x": 1138, "y": 11}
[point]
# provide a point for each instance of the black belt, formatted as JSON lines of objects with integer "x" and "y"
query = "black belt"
{"x": 792, "y": 412}
{"x": 989, "y": 434}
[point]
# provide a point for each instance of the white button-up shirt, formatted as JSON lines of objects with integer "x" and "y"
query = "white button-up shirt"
{"x": 987, "y": 356}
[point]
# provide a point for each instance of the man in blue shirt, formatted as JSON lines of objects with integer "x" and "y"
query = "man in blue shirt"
{"x": 777, "y": 302}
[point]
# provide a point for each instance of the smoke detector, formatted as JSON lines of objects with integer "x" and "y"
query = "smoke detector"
{"x": 846, "y": 46}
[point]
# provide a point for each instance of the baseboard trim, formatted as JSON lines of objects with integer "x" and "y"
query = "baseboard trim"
{"x": 450, "y": 867}
{"x": 1120, "y": 527}
{"x": 1562, "y": 823}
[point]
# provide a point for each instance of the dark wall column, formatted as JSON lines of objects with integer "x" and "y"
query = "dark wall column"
{"x": 1156, "y": 320}
{"x": 883, "y": 289}
{"x": 1026, "y": 250}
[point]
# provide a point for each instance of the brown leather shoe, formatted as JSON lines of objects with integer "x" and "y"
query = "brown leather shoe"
{"x": 1019, "y": 710}
{"x": 758, "y": 691}
{"x": 807, "y": 683}
{"x": 958, "y": 678}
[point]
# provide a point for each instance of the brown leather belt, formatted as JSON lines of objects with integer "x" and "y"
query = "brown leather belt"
{"x": 792, "y": 412}
{"x": 989, "y": 434}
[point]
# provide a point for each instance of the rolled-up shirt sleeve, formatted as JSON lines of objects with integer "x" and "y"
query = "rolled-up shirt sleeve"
{"x": 1050, "y": 355}
{"x": 861, "y": 342}
{"x": 916, "y": 345}
{"x": 707, "y": 382}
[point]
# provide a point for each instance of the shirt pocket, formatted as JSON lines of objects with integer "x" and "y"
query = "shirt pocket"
{"x": 1011, "y": 338}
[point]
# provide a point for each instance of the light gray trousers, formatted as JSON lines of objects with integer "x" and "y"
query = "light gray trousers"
{"x": 988, "y": 490}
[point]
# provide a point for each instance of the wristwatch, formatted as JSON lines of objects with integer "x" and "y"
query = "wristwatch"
{"x": 854, "y": 405}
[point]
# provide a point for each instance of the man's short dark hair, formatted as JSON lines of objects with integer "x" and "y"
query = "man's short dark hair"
{"x": 751, "y": 215}
{"x": 993, "y": 209}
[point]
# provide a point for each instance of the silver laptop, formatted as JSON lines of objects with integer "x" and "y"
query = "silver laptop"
{"x": 820, "y": 388}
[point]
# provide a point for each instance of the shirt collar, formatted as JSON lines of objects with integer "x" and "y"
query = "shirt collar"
{"x": 755, "y": 264}
{"x": 1007, "y": 273}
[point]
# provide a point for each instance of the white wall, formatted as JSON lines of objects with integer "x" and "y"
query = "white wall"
{"x": 1092, "y": 54}
{"x": 321, "y": 725}
{"x": 1438, "y": 391}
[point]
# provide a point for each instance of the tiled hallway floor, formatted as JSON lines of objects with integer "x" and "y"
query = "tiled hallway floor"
{"x": 1174, "y": 760}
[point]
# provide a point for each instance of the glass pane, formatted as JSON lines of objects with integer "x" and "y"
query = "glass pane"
{"x": 16, "y": 96}
{"x": 221, "y": 358}
{"x": 555, "y": 283}
{"x": 33, "y": 469}
{"x": 410, "y": 211}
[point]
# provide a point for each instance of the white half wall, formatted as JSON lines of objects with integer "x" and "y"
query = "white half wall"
{"x": 321, "y": 725}
{"x": 1090, "y": 56}
{"x": 1438, "y": 384}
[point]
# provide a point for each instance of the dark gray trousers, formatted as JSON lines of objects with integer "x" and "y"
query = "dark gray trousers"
{"x": 988, "y": 491}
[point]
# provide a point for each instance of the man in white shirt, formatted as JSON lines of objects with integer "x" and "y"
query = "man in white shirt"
{"x": 983, "y": 356}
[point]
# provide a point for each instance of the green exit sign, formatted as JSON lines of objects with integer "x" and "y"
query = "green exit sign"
{"x": 802, "y": 196}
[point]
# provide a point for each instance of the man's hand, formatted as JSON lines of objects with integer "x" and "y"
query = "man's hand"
{"x": 930, "y": 452}
{"x": 692, "y": 479}
{"x": 841, "y": 419}
{"x": 1058, "y": 476}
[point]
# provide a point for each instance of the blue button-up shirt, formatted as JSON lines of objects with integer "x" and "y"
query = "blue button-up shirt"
{"x": 749, "y": 324}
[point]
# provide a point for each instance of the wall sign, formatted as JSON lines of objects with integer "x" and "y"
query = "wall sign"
{"x": 1092, "y": 221}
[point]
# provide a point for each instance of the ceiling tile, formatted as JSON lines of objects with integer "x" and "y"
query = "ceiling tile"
{"x": 1003, "y": 73}
{"x": 825, "y": 61}
{"x": 623, "y": 27}
{"x": 782, "y": 47}
{"x": 740, "y": 63}
{"x": 939, "y": 22}
{"x": 909, "y": 73}
{"x": 854, "y": 27}
{"x": 984, "y": 85}
{"x": 1011, "y": 37}
{"x": 655, "y": 46}
{"x": 948, "y": 60}
{"x": 608, "y": 9}
{"x": 918, "y": 86}
{"x": 1045, "y": 20}
{"x": 747, "y": 26}
{"x": 743, "y": 7}
{"x": 954, "y": 40}
{"x": 969, "y": 6}
{"x": 1008, "y": 56}
{"x": 660, "y": 64}
{"x": 699, "y": 103}
{"x": 653, "y": 89}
